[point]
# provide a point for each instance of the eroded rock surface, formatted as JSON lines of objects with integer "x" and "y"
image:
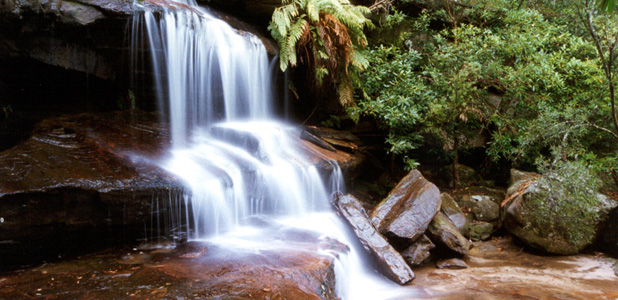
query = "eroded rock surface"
{"x": 450, "y": 208}
{"x": 389, "y": 260}
{"x": 190, "y": 271}
{"x": 418, "y": 252}
{"x": 442, "y": 230}
{"x": 406, "y": 212}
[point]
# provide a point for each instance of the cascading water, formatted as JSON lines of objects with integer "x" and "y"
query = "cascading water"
{"x": 215, "y": 88}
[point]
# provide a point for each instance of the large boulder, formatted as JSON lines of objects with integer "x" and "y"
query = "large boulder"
{"x": 549, "y": 220}
{"x": 404, "y": 215}
{"x": 450, "y": 208}
{"x": 442, "y": 230}
{"x": 390, "y": 262}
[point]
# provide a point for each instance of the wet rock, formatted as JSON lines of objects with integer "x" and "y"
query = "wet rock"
{"x": 189, "y": 271}
{"x": 341, "y": 140}
{"x": 494, "y": 194}
{"x": 450, "y": 208}
{"x": 442, "y": 230}
{"x": 240, "y": 137}
{"x": 525, "y": 215}
{"x": 350, "y": 163}
{"x": 85, "y": 175}
{"x": 453, "y": 264}
{"x": 390, "y": 262}
{"x": 307, "y": 136}
{"x": 418, "y": 252}
{"x": 258, "y": 11}
{"x": 480, "y": 231}
{"x": 486, "y": 210}
{"x": 403, "y": 216}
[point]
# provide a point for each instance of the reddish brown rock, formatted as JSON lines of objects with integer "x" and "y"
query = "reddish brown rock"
{"x": 190, "y": 271}
{"x": 406, "y": 212}
{"x": 388, "y": 259}
{"x": 84, "y": 175}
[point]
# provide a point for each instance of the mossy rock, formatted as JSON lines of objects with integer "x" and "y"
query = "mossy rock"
{"x": 560, "y": 225}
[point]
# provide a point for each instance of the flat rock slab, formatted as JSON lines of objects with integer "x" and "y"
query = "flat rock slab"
{"x": 407, "y": 210}
{"x": 390, "y": 262}
{"x": 192, "y": 271}
{"x": 499, "y": 269}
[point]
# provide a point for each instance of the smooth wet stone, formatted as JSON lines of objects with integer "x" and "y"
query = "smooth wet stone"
{"x": 500, "y": 269}
{"x": 307, "y": 136}
{"x": 341, "y": 140}
{"x": 389, "y": 261}
{"x": 418, "y": 252}
{"x": 453, "y": 264}
{"x": 486, "y": 210}
{"x": 480, "y": 231}
{"x": 404, "y": 215}
{"x": 190, "y": 271}
{"x": 442, "y": 230}
{"x": 450, "y": 208}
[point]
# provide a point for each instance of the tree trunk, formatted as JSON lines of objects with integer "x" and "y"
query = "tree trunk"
{"x": 614, "y": 176}
{"x": 456, "y": 162}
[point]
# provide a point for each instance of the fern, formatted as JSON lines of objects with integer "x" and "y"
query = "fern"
{"x": 327, "y": 35}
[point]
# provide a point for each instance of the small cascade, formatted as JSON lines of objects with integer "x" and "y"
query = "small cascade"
{"x": 237, "y": 162}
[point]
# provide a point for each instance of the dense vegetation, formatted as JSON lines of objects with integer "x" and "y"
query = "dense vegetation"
{"x": 532, "y": 80}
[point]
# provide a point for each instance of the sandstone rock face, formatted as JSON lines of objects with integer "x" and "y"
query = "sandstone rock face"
{"x": 389, "y": 260}
{"x": 525, "y": 216}
{"x": 87, "y": 174}
{"x": 418, "y": 252}
{"x": 406, "y": 212}
{"x": 189, "y": 271}
{"x": 442, "y": 230}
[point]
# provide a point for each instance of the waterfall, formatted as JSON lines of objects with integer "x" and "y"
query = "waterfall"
{"x": 236, "y": 160}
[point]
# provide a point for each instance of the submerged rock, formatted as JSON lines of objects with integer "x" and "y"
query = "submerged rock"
{"x": 453, "y": 264}
{"x": 390, "y": 262}
{"x": 527, "y": 214}
{"x": 407, "y": 210}
{"x": 418, "y": 252}
{"x": 442, "y": 230}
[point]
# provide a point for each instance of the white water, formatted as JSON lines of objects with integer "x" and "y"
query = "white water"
{"x": 215, "y": 88}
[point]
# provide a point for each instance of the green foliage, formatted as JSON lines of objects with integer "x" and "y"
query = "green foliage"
{"x": 327, "y": 36}
{"x": 527, "y": 81}
{"x": 567, "y": 200}
{"x": 7, "y": 110}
